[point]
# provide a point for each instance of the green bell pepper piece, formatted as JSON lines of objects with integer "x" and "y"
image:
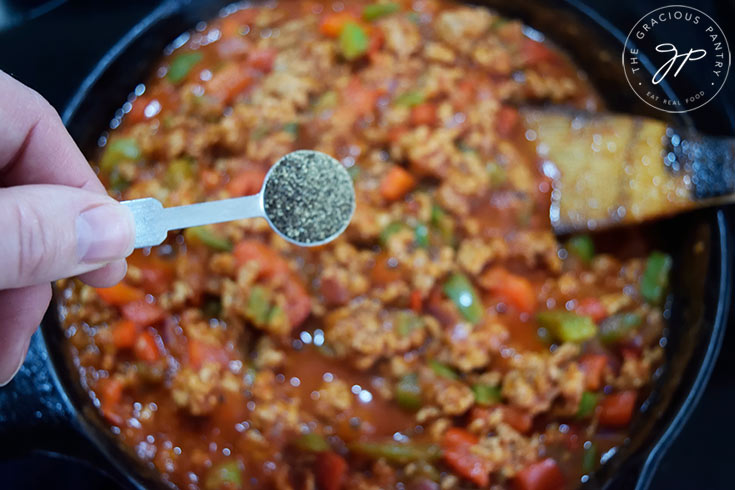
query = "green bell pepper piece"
{"x": 395, "y": 452}
{"x": 408, "y": 393}
{"x": 181, "y": 65}
{"x": 206, "y": 236}
{"x": 459, "y": 289}
{"x": 589, "y": 457}
{"x": 353, "y": 41}
{"x": 566, "y": 326}
{"x": 409, "y": 99}
{"x": 582, "y": 247}
{"x": 614, "y": 328}
{"x": 486, "y": 395}
{"x": 587, "y": 405}
{"x": 443, "y": 370}
{"x": 225, "y": 475}
{"x": 655, "y": 278}
{"x": 378, "y": 10}
{"x": 119, "y": 150}
{"x": 312, "y": 442}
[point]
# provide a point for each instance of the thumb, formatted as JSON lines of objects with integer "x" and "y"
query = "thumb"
{"x": 51, "y": 231}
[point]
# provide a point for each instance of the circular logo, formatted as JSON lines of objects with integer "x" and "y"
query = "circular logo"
{"x": 676, "y": 58}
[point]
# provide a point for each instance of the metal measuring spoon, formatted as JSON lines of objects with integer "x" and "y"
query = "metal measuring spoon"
{"x": 307, "y": 198}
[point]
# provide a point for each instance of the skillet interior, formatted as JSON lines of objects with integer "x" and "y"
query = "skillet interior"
{"x": 697, "y": 282}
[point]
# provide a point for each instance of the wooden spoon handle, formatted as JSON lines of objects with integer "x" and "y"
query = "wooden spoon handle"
{"x": 611, "y": 169}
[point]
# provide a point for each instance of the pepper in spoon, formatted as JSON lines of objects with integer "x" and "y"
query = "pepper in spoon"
{"x": 307, "y": 198}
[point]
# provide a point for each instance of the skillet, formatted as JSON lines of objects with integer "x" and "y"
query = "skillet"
{"x": 47, "y": 409}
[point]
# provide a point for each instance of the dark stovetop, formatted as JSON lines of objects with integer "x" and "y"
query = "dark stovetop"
{"x": 53, "y": 47}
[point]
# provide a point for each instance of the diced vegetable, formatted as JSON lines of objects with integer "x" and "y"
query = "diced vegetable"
{"x": 407, "y": 322}
{"x": 409, "y": 99}
{"x": 587, "y": 405}
{"x": 507, "y": 119}
{"x": 565, "y": 326}
{"x": 202, "y": 352}
{"x": 459, "y": 289}
{"x": 330, "y": 471}
{"x": 536, "y": 52}
{"x": 589, "y": 457}
{"x": 396, "y": 452}
{"x": 396, "y": 183}
{"x": 327, "y": 100}
{"x": 486, "y": 395}
{"x": 655, "y": 278}
{"x": 582, "y": 247}
{"x": 224, "y": 476}
{"x": 259, "y": 132}
{"x": 499, "y": 22}
{"x": 408, "y": 393}
{"x": 384, "y": 271}
{"x": 270, "y": 262}
{"x": 593, "y": 308}
{"x": 378, "y": 10}
{"x": 616, "y": 410}
{"x": 292, "y": 128}
{"x": 120, "y": 294}
{"x": 416, "y": 301}
{"x": 616, "y": 327}
{"x": 262, "y": 59}
{"x": 259, "y": 305}
{"x": 110, "y": 391}
{"x": 181, "y": 65}
{"x": 354, "y": 172}
{"x": 156, "y": 273}
{"x": 391, "y": 230}
{"x": 142, "y": 313}
{"x": 332, "y": 24}
{"x": 353, "y": 41}
{"x": 421, "y": 235}
{"x": 119, "y": 150}
{"x": 593, "y": 366}
{"x": 178, "y": 172}
{"x": 514, "y": 290}
{"x": 145, "y": 348}
{"x": 443, "y": 223}
{"x": 520, "y": 420}
{"x": 246, "y": 183}
{"x": 423, "y": 114}
{"x": 457, "y": 451}
{"x": 206, "y": 236}
{"x": 497, "y": 173}
{"x": 442, "y": 370}
{"x": 124, "y": 333}
{"x": 362, "y": 98}
{"x": 542, "y": 475}
{"x": 312, "y": 442}
{"x": 229, "y": 81}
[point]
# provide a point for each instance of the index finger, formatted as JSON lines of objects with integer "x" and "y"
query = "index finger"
{"x": 35, "y": 147}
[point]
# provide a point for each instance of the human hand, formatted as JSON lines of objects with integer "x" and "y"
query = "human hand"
{"x": 56, "y": 219}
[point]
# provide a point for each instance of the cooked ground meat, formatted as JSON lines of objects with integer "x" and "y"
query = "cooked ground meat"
{"x": 446, "y": 340}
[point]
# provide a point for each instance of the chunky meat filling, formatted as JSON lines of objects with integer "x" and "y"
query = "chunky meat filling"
{"x": 446, "y": 340}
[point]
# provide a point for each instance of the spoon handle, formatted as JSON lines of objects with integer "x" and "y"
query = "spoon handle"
{"x": 153, "y": 221}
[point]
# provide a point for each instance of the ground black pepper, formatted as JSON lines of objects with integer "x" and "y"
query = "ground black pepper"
{"x": 309, "y": 197}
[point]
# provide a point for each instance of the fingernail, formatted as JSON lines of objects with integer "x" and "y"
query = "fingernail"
{"x": 20, "y": 364}
{"x": 105, "y": 233}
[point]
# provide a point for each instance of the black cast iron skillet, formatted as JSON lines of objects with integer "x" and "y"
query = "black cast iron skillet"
{"x": 46, "y": 408}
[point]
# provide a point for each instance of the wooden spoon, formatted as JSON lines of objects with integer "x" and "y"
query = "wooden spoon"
{"x": 611, "y": 169}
